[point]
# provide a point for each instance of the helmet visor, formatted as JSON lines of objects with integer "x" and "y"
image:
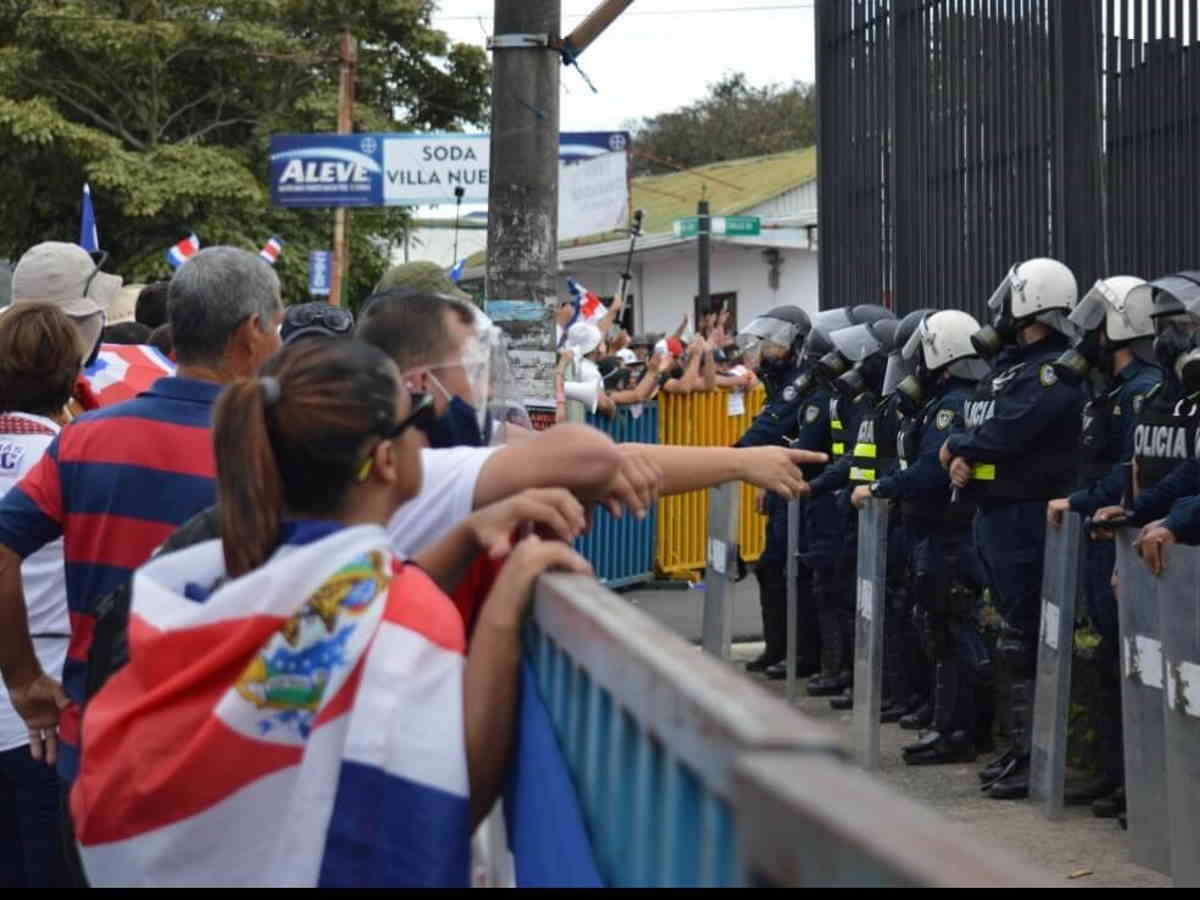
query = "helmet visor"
{"x": 898, "y": 368}
{"x": 1091, "y": 311}
{"x": 1003, "y": 291}
{"x": 828, "y": 320}
{"x": 764, "y": 328}
{"x": 856, "y": 343}
{"x": 1170, "y": 293}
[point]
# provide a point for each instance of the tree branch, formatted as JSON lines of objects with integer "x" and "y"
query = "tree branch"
{"x": 113, "y": 127}
{"x": 220, "y": 123}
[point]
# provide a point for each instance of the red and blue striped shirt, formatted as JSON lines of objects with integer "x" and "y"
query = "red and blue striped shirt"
{"x": 114, "y": 484}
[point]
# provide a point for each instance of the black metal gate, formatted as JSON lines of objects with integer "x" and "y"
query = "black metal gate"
{"x": 960, "y": 136}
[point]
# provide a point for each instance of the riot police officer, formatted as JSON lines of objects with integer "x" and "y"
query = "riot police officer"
{"x": 1017, "y": 451}
{"x": 1113, "y": 351}
{"x": 945, "y": 370}
{"x": 772, "y": 344}
{"x": 854, "y": 369}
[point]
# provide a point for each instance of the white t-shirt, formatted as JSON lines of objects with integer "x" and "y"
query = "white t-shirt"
{"x": 23, "y": 440}
{"x": 448, "y": 479}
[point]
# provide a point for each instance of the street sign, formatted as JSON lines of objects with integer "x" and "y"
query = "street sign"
{"x": 730, "y": 226}
{"x": 318, "y": 273}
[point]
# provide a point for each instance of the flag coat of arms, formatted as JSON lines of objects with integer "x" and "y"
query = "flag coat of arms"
{"x": 122, "y": 371}
{"x": 183, "y": 251}
{"x": 271, "y": 249}
{"x": 299, "y": 726}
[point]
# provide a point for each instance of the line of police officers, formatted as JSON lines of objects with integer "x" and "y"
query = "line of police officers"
{"x": 981, "y": 437}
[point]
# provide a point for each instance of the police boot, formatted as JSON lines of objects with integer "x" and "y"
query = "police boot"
{"x": 985, "y": 716}
{"x": 844, "y": 700}
{"x": 830, "y": 681}
{"x": 943, "y": 743}
{"x": 804, "y": 668}
{"x": 1013, "y": 781}
{"x": 921, "y": 717}
{"x": 1111, "y": 806}
{"x": 895, "y": 679}
{"x": 770, "y": 582}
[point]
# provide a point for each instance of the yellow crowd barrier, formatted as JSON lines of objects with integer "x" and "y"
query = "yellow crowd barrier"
{"x": 703, "y": 420}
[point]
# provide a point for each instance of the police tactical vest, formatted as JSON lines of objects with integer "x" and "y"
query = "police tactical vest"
{"x": 874, "y": 446}
{"x": 837, "y": 431}
{"x": 1041, "y": 474}
{"x": 931, "y": 512}
{"x": 1165, "y": 434}
{"x": 1098, "y": 456}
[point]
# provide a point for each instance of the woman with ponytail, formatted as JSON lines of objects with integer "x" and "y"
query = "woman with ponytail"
{"x": 299, "y": 707}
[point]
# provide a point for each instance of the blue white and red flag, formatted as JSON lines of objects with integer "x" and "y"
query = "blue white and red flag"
{"x": 257, "y": 739}
{"x": 183, "y": 251}
{"x": 271, "y": 249}
{"x": 122, "y": 371}
{"x": 588, "y": 307}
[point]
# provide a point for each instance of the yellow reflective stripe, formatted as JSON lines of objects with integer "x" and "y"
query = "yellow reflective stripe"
{"x": 835, "y": 424}
{"x": 865, "y": 450}
{"x": 839, "y": 447}
{"x": 857, "y": 474}
{"x": 985, "y": 471}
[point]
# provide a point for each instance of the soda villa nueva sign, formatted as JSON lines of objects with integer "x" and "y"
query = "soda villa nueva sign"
{"x": 398, "y": 169}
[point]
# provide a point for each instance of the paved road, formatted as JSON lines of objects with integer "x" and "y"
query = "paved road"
{"x": 683, "y": 611}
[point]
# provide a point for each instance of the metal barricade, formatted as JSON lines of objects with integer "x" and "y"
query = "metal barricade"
{"x": 621, "y": 551}
{"x": 651, "y": 729}
{"x": 703, "y": 420}
{"x": 792, "y": 573}
{"x": 1062, "y": 577}
{"x": 1179, "y": 611}
{"x": 1146, "y": 796}
{"x": 868, "y": 630}
{"x": 720, "y": 576}
{"x": 812, "y": 822}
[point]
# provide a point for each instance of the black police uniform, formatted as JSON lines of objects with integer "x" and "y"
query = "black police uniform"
{"x": 776, "y": 424}
{"x": 1022, "y": 438}
{"x": 945, "y": 584}
{"x": 1109, "y": 422}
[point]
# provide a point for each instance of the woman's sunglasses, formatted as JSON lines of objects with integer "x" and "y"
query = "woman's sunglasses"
{"x": 421, "y": 415}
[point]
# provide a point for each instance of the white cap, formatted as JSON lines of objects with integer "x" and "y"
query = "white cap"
{"x": 59, "y": 273}
{"x": 583, "y": 338}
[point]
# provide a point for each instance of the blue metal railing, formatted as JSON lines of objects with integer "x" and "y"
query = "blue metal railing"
{"x": 621, "y": 551}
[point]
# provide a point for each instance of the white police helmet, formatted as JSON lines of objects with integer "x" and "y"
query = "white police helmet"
{"x": 1124, "y": 312}
{"x": 1034, "y": 287}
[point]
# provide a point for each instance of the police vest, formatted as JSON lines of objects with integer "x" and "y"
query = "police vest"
{"x": 1042, "y": 474}
{"x": 1165, "y": 434}
{"x": 929, "y": 511}
{"x": 837, "y": 431}
{"x": 875, "y": 444}
{"x": 1098, "y": 457}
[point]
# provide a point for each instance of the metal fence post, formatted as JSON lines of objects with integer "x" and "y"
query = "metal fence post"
{"x": 868, "y": 630}
{"x": 792, "y": 573}
{"x": 721, "y": 572}
{"x": 1062, "y": 575}
{"x": 1179, "y": 607}
{"x": 1146, "y": 795}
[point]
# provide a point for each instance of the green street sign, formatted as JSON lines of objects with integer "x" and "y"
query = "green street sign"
{"x": 730, "y": 226}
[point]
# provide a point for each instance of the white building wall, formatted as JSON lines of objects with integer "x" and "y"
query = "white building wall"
{"x": 668, "y": 287}
{"x": 799, "y": 201}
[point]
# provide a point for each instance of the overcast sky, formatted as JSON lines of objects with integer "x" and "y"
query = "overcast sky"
{"x": 661, "y": 54}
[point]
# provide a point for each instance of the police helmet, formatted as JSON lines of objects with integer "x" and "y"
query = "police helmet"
{"x": 787, "y": 326}
{"x": 898, "y": 366}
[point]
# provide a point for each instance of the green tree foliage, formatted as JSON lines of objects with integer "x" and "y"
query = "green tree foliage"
{"x": 166, "y": 109}
{"x": 732, "y": 121}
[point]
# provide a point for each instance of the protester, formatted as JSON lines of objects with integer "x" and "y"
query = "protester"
{"x": 40, "y": 358}
{"x": 308, "y": 636}
{"x": 151, "y": 306}
{"x": 225, "y": 312}
{"x": 161, "y": 340}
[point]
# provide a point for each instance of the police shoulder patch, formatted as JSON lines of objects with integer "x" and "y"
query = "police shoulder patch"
{"x": 811, "y": 413}
{"x": 944, "y": 418}
{"x": 789, "y": 394}
{"x": 1048, "y": 376}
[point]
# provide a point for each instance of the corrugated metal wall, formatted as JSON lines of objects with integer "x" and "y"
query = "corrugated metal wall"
{"x": 960, "y": 136}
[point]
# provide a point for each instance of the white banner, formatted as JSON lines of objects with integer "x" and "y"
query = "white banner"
{"x": 421, "y": 170}
{"x": 593, "y": 196}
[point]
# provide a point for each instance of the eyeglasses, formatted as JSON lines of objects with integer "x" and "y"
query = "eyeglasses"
{"x": 422, "y": 414}
{"x": 337, "y": 320}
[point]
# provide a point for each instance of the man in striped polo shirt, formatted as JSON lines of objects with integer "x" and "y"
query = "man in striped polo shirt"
{"x": 116, "y": 483}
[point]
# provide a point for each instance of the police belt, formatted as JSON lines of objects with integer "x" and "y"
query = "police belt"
{"x": 1051, "y": 478}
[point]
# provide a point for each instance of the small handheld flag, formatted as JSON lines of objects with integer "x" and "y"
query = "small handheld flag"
{"x": 456, "y": 270}
{"x": 89, "y": 239}
{"x": 183, "y": 251}
{"x": 587, "y": 305}
{"x": 271, "y": 249}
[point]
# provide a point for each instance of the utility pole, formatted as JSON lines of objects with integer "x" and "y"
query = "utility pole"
{"x": 340, "y": 266}
{"x": 522, "y": 254}
{"x": 704, "y": 256}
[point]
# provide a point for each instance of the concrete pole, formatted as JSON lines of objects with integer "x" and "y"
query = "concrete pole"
{"x": 522, "y": 253}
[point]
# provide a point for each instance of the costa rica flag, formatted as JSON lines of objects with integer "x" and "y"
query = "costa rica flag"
{"x": 183, "y": 251}
{"x": 271, "y": 249}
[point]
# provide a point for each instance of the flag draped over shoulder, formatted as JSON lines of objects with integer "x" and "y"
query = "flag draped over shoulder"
{"x": 122, "y": 371}
{"x": 299, "y": 726}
